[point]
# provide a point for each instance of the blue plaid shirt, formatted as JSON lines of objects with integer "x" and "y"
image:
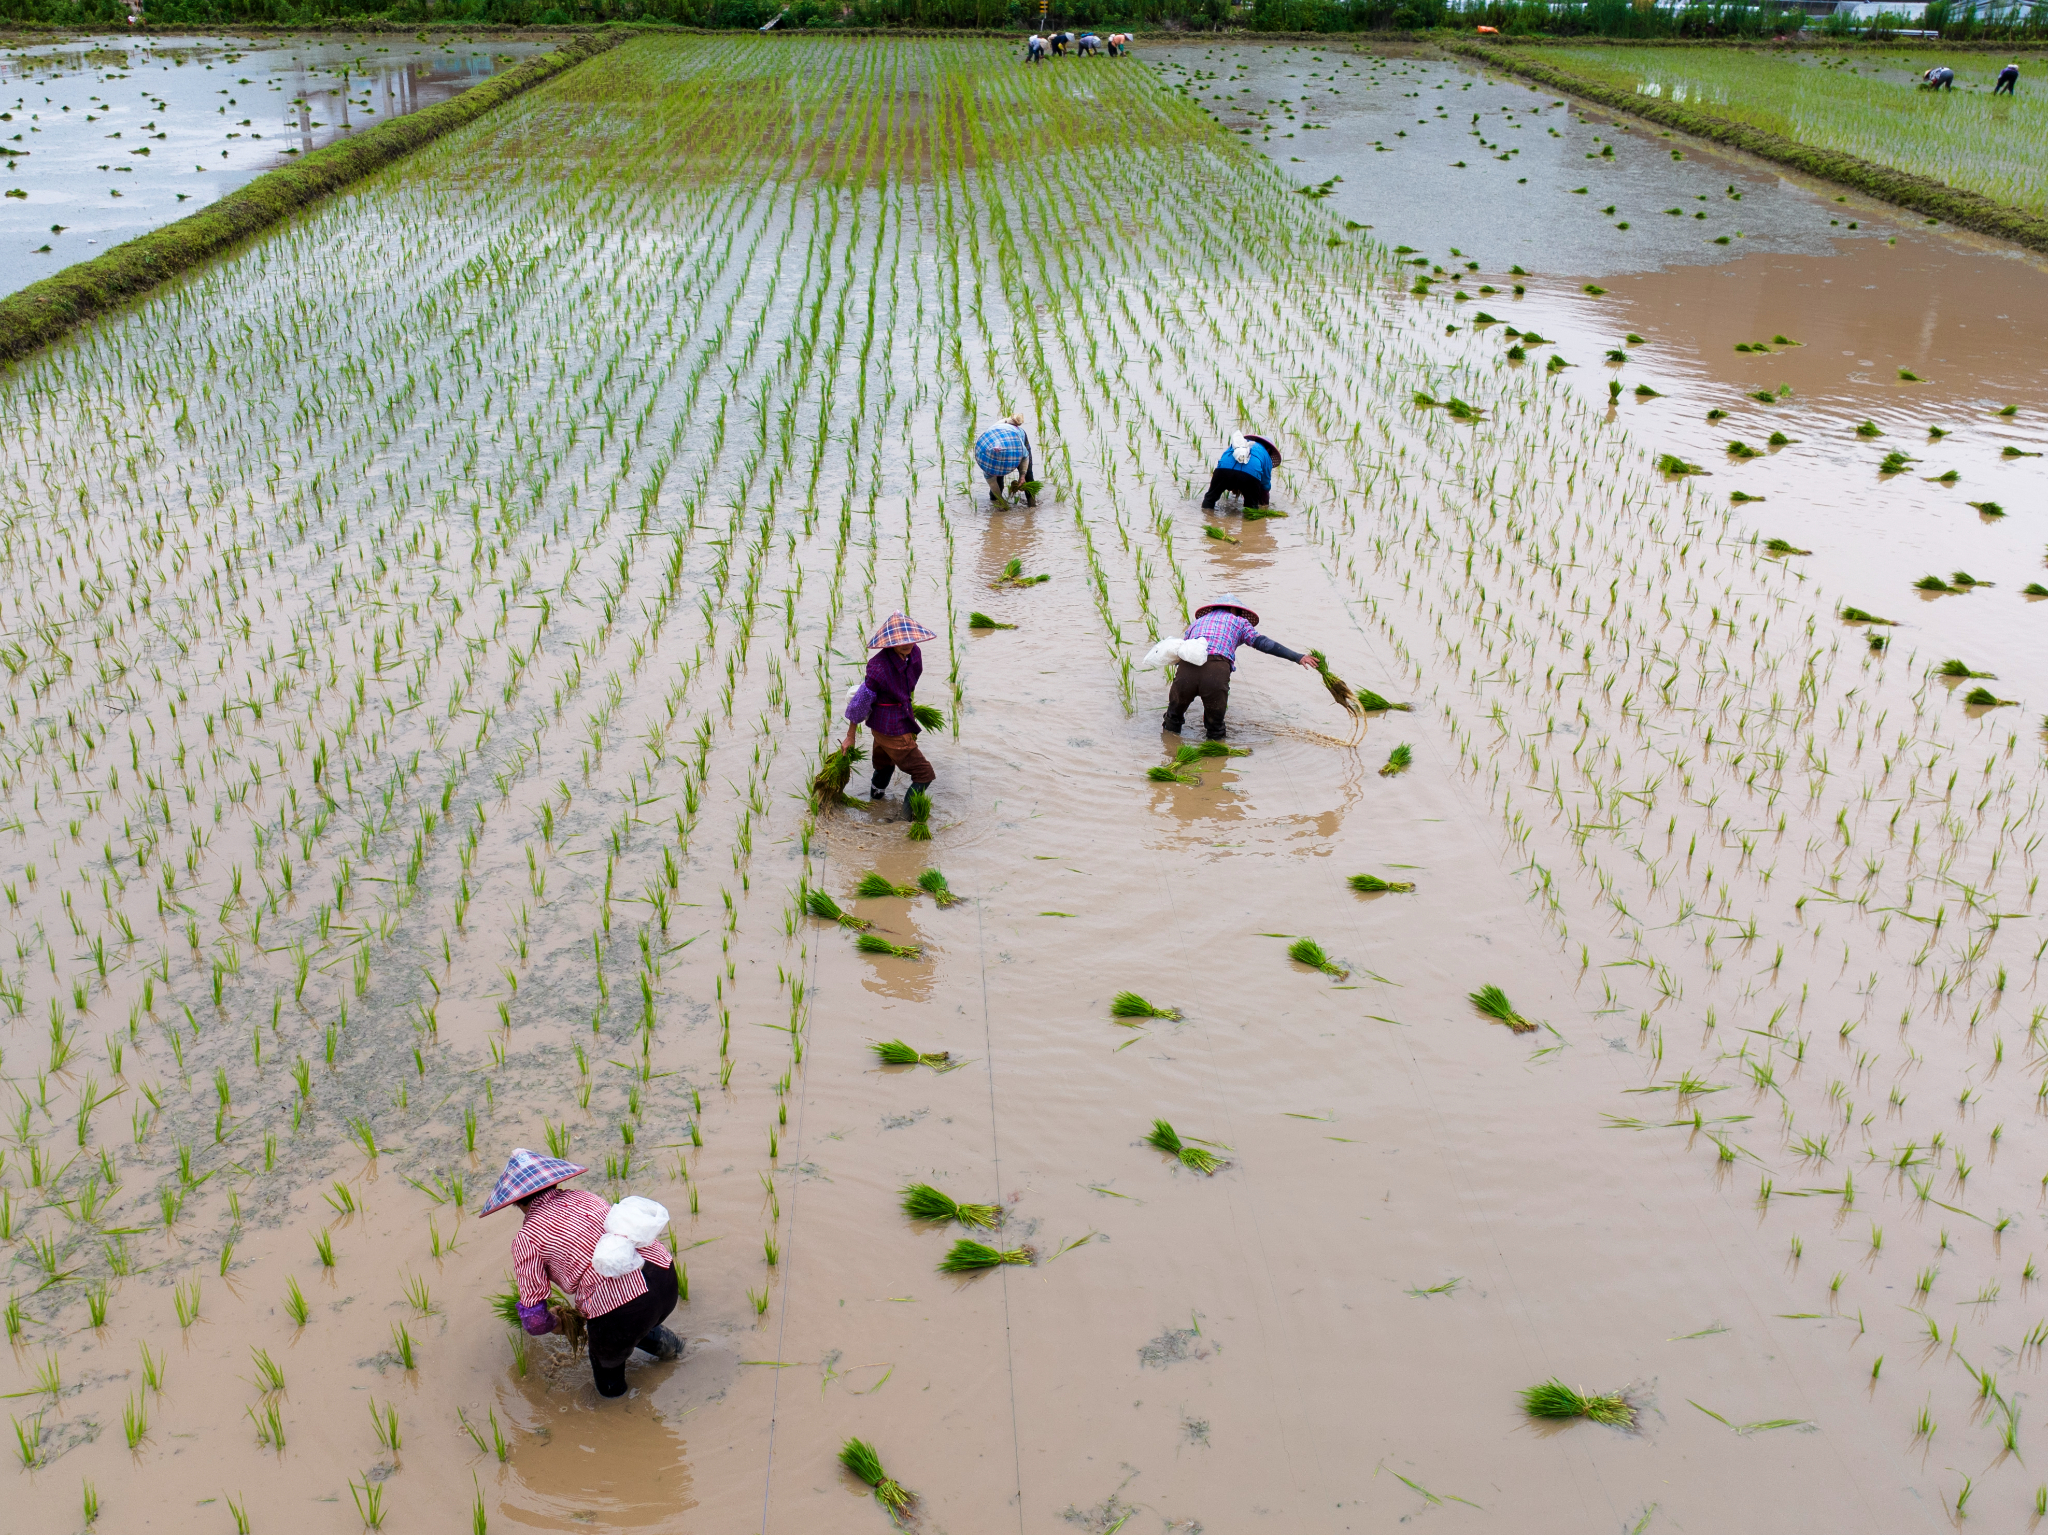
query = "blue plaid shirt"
{"x": 1002, "y": 448}
{"x": 1226, "y": 631}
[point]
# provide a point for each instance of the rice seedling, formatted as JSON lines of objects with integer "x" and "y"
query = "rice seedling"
{"x": 873, "y": 886}
{"x": 895, "y": 1053}
{"x": 968, "y": 1257}
{"x": 924, "y": 1203}
{"x": 402, "y": 1347}
{"x": 1859, "y": 616}
{"x": 1954, "y": 667}
{"x": 874, "y": 944}
{"x": 134, "y": 1421}
{"x": 1013, "y": 575}
{"x": 1220, "y": 535}
{"x": 918, "y": 806}
{"x": 1195, "y": 751}
{"x": 1552, "y": 1399}
{"x": 369, "y": 1500}
{"x": 1493, "y": 1002}
{"x": 1988, "y": 508}
{"x": 821, "y": 905}
{"x": 933, "y": 883}
{"x": 862, "y": 1460}
{"x": 980, "y": 620}
{"x": 1167, "y": 773}
{"x": 1671, "y": 464}
{"x": 1306, "y": 951}
{"x": 1397, "y": 761}
{"x": 1129, "y": 1005}
{"x": 269, "y": 1374}
{"x": 1784, "y": 547}
{"x": 384, "y": 1421}
{"x": 1166, "y": 1139}
{"x": 323, "y": 1245}
{"x": 828, "y": 785}
{"x": 1984, "y": 698}
{"x": 1374, "y": 885}
{"x": 295, "y": 1306}
{"x": 185, "y": 1301}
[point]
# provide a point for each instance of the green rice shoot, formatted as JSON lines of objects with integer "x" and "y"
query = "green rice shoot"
{"x": 1129, "y": 1005}
{"x": 1552, "y": 1399}
{"x": 967, "y": 1257}
{"x": 1306, "y": 951}
{"x": 1373, "y": 884}
{"x": 923, "y": 1202}
{"x": 1493, "y": 1002}
{"x": 821, "y": 905}
{"x": 875, "y": 944}
{"x": 1166, "y": 1139}
{"x": 896, "y": 1053}
{"x": 860, "y": 1458}
{"x": 873, "y": 887}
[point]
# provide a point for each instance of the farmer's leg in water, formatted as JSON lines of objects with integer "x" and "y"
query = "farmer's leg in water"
{"x": 1237, "y": 482}
{"x": 893, "y": 752}
{"x": 1210, "y": 682}
{"x": 614, "y": 1335}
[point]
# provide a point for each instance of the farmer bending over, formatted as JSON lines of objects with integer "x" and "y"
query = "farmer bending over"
{"x": 2008, "y": 77}
{"x": 1003, "y": 449}
{"x": 1089, "y": 46}
{"x": 621, "y": 1280}
{"x": 1119, "y": 44}
{"x": 882, "y": 702}
{"x": 1245, "y": 470}
{"x": 1034, "y": 49}
{"x": 1061, "y": 40}
{"x": 1939, "y": 78}
{"x": 1226, "y": 624}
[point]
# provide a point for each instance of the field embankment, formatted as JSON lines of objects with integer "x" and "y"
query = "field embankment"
{"x": 1878, "y": 137}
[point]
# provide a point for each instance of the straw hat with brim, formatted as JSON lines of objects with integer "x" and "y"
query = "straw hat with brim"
{"x": 900, "y": 630}
{"x": 1228, "y": 600}
{"x": 528, "y": 1173}
{"x": 1266, "y": 443}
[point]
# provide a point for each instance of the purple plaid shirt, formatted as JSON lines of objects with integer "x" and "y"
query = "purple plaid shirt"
{"x": 1225, "y": 631}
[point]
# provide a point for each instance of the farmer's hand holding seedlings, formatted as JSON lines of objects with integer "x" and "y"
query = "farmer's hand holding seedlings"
{"x": 1207, "y": 654}
{"x": 883, "y": 701}
{"x": 606, "y": 1258}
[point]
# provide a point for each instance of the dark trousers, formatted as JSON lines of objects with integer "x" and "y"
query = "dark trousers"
{"x": 614, "y": 1335}
{"x": 893, "y": 752}
{"x": 1210, "y": 682}
{"x": 1244, "y": 484}
{"x": 2004, "y": 88}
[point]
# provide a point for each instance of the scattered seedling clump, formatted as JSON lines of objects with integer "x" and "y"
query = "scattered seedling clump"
{"x": 1493, "y": 1002}
{"x": 1552, "y": 1399}
{"x": 1166, "y": 1139}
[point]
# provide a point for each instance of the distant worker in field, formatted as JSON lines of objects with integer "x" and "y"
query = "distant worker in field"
{"x": 1062, "y": 41}
{"x": 1245, "y": 470}
{"x": 1224, "y": 623}
{"x": 883, "y": 703}
{"x": 1939, "y": 78}
{"x": 607, "y": 1259}
{"x": 1034, "y": 49}
{"x": 1005, "y": 449}
{"x": 1089, "y": 46}
{"x": 2008, "y": 77}
{"x": 1119, "y": 44}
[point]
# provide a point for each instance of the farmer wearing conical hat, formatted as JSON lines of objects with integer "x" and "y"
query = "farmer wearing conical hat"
{"x": 1245, "y": 470}
{"x": 1224, "y": 623}
{"x": 882, "y": 702}
{"x": 605, "y": 1257}
{"x": 1005, "y": 449}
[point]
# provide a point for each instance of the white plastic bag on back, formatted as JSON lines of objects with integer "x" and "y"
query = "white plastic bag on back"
{"x": 628, "y": 1226}
{"x": 1193, "y": 652}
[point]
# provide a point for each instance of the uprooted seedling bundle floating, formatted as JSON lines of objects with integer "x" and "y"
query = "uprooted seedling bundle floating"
{"x": 1308, "y": 952}
{"x": 1013, "y": 575}
{"x": 1373, "y": 884}
{"x": 875, "y": 944}
{"x": 820, "y": 905}
{"x": 1398, "y": 761}
{"x": 933, "y": 884}
{"x": 923, "y": 1202}
{"x": 896, "y": 1053}
{"x": 1166, "y": 1139}
{"x": 980, "y": 620}
{"x": 1129, "y": 1005}
{"x": 873, "y": 887}
{"x": 860, "y": 1458}
{"x": 1493, "y": 1002}
{"x": 1552, "y": 1399}
{"x": 967, "y": 1257}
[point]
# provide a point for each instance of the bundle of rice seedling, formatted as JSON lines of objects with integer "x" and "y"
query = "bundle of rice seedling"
{"x": 874, "y": 944}
{"x": 1194, "y": 751}
{"x": 1984, "y": 698}
{"x": 1167, "y": 1140}
{"x": 873, "y": 887}
{"x": 506, "y": 1305}
{"x": 933, "y": 884}
{"x": 859, "y": 1458}
{"x": 1552, "y": 1399}
{"x": 967, "y": 1257}
{"x": 828, "y": 787}
{"x": 1260, "y": 514}
{"x": 919, "y": 805}
{"x": 1743, "y": 498}
{"x": 928, "y": 718}
{"x": 1956, "y": 667}
{"x": 1784, "y": 547}
{"x": 1308, "y": 952}
{"x": 1895, "y": 463}
{"x": 1672, "y": 464}
{"x": 1339, "y": 690}
{"x": 1397, "y": 761}
{"x": 1128, "y": 1005}
{"x": 1965, "y": 581}
{"x": 980, "y": 620}
{"x": 2034, "y": 589}
{"x": 925, "y": 1203}
{"x": 1013, "y": 575}
{"x": 1217, "y": 533}
{"x": 1989, "y": 508}
{"x": 1373, "y": 883}
{"x": 820, "y": 905}
{"x": 1859, "y": 616}
{"x": 1494, "y": 1003}
{"x": 895, "y": 1053}
{"x": 1166, "y": 773}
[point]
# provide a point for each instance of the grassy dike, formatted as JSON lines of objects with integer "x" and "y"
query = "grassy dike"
{"x": 40, "y": 313}
{"x": 1937, "y": 200}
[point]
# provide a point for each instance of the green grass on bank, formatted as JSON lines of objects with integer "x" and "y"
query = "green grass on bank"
{"x": 1863, "y": 104}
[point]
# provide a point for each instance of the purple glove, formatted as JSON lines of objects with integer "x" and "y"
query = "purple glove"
{"x": 536, "y": 1318}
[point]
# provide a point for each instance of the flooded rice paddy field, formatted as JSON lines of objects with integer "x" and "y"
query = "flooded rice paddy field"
{"x": 423, "y": 628}
{"x": 104, "y": 140}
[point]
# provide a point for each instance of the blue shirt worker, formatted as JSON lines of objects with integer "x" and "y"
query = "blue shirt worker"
{"x": 1939, "y": 78}
{"x": 1225, "y": 623}
{"x": 1245, "y": 471}
{"x": 1005, "y": 449}
{"x": 2008, "y": 77}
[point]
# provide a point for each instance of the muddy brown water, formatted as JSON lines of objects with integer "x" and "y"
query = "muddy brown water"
{"x": 1638, "y": 803}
